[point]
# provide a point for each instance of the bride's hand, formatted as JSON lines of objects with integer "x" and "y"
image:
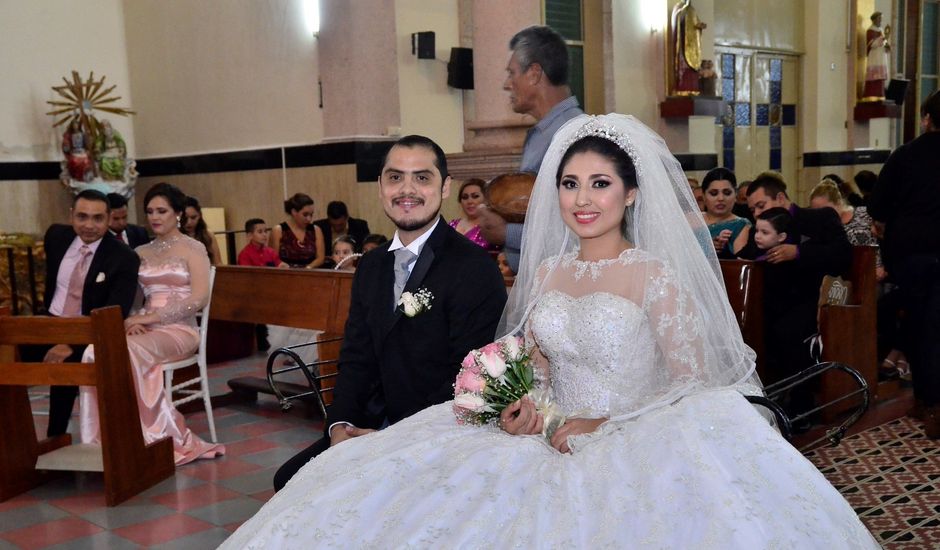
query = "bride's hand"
{"x": 521, "y": 418}
{"x": 574, "y": 426}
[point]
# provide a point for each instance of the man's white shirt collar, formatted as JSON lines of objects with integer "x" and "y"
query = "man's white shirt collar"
{"x": 416, "y": 245}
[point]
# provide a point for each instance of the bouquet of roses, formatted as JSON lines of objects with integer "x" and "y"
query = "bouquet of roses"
{"x": 493, "y": 377}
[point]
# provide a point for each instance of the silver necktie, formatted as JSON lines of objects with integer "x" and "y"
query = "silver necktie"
{"x": 403, "y": 257}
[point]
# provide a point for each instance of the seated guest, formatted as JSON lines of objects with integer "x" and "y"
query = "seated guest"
{"x": 865, "y": 181}
{"x": 855, "y": 219}
{"x": 697, "y": 193}
{"x": 740, "y": 208}
{"x": 194, "y": 226}
{"x": 771, "y": 229}
{"x": 344, "y": 254}
{"x": 373, "y": 241}
{"x": 86, "y": 268}
{"x": 849, "y": 191}
{"x": 174, "y": 275}
{"x": 299, "y": 242}
{"x": 338, "y": 224}
{"x": 815, "y": 246}
{"x": 257, "y": 252}
{"x": 128, "y": 233}
{"x": 729, "y": 232}
{"x": 470, "y": 197}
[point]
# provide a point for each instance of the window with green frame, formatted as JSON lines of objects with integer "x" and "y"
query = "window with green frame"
{"x": 565, "y": 16}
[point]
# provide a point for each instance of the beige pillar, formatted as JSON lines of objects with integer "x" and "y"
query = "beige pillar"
{"x": 494, "y": 124}
{"x": 358, "y": 68}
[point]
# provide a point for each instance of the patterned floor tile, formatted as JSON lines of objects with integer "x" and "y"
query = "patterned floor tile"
{"x": 104, "y": 540}
{"x": 178, "y": 482}
{"x": 53, "y": 532}
{"x": 224, "y": 513}
{"x": 128, "y": 513}
{"x": 27, "y": 516}
{"x": 209, "y": 538}
{"x": 272, "y": 458}
{"x": 252, "y": 483}
{"x": 163, "y": 530}
{"x": 249, "y": 446}
{"x": 196, "y": 497}
{"x": 219, "y": 469}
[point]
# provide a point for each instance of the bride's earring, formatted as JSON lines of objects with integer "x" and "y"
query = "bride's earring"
{"x": 179, "y": 221}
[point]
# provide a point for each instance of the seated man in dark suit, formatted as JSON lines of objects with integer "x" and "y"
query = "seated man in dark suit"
{"x": 393, "y": 365}
{"x": 128, "y": 233}
{"x": 86, "y": 268}
{"x": 338, "y": 223}
{"x": 816, "y": 246}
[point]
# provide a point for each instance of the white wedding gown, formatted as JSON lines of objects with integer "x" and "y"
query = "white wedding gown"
{"x": 705, "y": 472}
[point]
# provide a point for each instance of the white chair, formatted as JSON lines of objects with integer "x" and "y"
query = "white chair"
{"x": 199, "y": 358}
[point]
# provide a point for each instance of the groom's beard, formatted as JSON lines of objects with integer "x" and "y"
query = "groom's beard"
{"x": 414, "y": 223}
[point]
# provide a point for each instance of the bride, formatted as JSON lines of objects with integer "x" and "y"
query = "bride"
{"x": 619, "y": 293}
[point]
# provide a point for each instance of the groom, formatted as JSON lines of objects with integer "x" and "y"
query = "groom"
{"x": 393, "y": 364}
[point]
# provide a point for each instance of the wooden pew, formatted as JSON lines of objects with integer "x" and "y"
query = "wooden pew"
{"x": 849, "y": 332}
{"x": 129, "y": 465}
{"x": 300, "y": 298}
{"x": 744, "y": 283}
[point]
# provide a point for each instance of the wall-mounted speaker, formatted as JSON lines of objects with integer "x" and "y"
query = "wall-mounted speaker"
{"x": 422, "y": 44}
{"x": 460, "y": 68}
{"x": 897, "y": 90}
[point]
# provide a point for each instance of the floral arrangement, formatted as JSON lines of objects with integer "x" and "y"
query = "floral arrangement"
{"x": 412, "y": 304}
{"x": 493, "y": 377}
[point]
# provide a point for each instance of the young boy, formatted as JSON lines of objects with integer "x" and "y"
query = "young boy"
{"x": 770, "y": 229}
{"x": 257, "y": 252}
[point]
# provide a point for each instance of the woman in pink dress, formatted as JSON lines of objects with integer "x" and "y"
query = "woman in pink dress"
{"x": 174, "y": 276}
{"x": 471, "y": 198}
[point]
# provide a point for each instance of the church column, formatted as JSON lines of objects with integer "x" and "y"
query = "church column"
{"x": 358, "y": 63}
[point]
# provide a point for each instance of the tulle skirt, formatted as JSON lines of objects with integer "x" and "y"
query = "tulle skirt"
{"x": 707, "y": 472}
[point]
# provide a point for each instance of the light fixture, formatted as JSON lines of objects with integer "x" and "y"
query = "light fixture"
{"x": 312, "y": 16}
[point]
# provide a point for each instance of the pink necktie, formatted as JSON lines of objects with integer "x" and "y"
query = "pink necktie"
{"x": 73, "y": 299}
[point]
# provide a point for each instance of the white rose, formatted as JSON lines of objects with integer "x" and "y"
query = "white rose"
{"x": 409, "y": 304}
{"x": 512, "y": 346}
{"x": 493, "y": 364}
{"x": 470, "y": 402}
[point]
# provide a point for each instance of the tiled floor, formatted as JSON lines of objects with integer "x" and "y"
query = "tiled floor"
{"x": 198, "y": 507}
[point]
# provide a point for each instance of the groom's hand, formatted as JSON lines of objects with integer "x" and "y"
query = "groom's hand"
{"x": 346, "y": 431}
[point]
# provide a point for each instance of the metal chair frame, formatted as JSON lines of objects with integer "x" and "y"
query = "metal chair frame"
{"x": 311, "y": 372}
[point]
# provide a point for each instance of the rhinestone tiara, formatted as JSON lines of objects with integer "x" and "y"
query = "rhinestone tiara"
{"x": 597, "y": 127}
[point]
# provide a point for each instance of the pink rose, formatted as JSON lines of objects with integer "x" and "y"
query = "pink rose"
{"x": 470, "y": 381}
{"x": 469, "y": 402}
{"x": 493, "y": 362}
{"x": 470, "y": 363}
{"x": 491, "y": 348}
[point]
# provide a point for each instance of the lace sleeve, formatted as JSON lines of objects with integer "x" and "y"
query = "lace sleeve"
{"x": 540, "y": 362}
{"x": 197, "y": 261}
{"x": 676, "y": 326}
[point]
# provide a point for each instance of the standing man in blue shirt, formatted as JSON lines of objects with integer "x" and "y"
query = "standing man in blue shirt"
{"x": 537, "y": 82}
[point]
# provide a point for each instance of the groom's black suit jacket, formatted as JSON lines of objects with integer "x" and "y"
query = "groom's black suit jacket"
{"x": 391, "y": 365}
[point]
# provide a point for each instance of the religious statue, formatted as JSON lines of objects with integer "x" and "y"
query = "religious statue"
{"x": 75, "y": 147}
{"x": 687, "y": 48}
{"x": 877, "y": 48}
{"x": 110, "y": 153}
{"x": 95, "y": 153}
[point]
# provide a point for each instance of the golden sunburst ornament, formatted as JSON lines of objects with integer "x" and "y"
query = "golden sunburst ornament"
{"x": 82, "y": 99}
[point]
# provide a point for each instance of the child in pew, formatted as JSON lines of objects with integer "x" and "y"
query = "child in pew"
{"x": 373, "y": 241}
{"x": 257, "y": 252}
{"x": 771, "y": 229}
{"x": 344, "y": 254}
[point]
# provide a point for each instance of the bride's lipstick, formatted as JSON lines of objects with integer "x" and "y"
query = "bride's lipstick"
{"x": 586, "y": 217}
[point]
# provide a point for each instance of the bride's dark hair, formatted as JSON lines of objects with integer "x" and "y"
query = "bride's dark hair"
{"x": 607, "y": 149}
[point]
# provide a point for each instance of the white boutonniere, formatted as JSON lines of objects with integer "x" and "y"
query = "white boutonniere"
{"x": 100, "y": 277}
{"x": 412, "y": 304}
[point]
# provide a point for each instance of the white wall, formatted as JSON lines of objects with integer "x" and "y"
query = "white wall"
{"x": 40, "y": 42}
{"x": 217, "y": 76}
{"x": 428, "y": 106}
{"x": 639, "y": 70}
{"x": 826, "y": 68}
